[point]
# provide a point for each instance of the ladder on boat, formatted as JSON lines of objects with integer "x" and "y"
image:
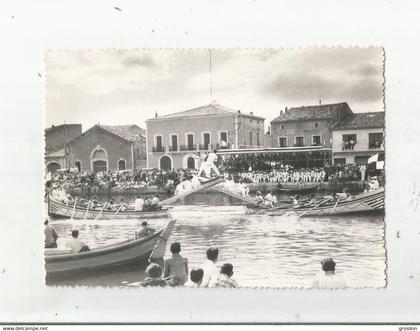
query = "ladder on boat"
{"x": 203, "y": 186}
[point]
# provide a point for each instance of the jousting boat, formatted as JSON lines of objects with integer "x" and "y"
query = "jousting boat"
{"x": 371, "y": 202}
{"x": 58, "y": 209}
{"x": 61, "y": 261}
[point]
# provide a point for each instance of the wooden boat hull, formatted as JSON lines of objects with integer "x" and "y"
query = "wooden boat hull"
{"x": 372, "y": 202}
{"x": 60, "y": 210}
{"x": 124, "y": 253}
{"x": 297, "y": 190}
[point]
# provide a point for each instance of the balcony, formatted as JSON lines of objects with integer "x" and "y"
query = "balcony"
{"x": 224, "y": 146}
{"x": 376, "y": 145}
{"x": 205, "y": 147}
{"x": 188, "y": 148}
{"x": 158, "y": 149}
{"x": 173, "y": 148}
{"x": 346, "y": 146}
{"x": 299, "y": 145}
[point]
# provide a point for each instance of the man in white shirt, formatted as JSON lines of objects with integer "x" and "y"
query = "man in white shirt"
{"x": 210, "y": 162}
{"x": 270, "y": 199}
{"x": 327, "y": 277}
{"x": 138, "y": 204}
{"x": 75, "y": 243}
{"x": 211, "y": 271}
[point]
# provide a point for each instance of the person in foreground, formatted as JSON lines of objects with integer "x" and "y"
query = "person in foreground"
{"x": 51, "y": 235}
{"x": 75, "y": 244}
{"x": 196, "y": 277}
{"x": 154, "y": 276}
{"x": 176, "y": 266}
{"x": 211, "y": 271}
{"x": 327, "y": 277}
{"x": 144, "y": 230}
{"x": 225, "y": 278}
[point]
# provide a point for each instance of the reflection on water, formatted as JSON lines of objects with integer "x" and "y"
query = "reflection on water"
{"x": 280, "y": 251}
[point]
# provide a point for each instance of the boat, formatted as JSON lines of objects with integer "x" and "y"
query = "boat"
{"x": 57, "y": 209}
{"x": 152, "y": 248}
{"x": 296, "y": 188}
{"x": 370, "y": 202}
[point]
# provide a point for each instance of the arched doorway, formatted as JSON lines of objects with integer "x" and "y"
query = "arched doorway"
{"x": 78, "y": 165}
{"x": 121, "y": 165}
{"x": 53, "y": 166}
{"x": 99, "y": 165}
{"x": 190, "y": 163}
{"x": 165, "y": 163}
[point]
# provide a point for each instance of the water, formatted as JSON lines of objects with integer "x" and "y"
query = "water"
{"x": 280, "y": 251}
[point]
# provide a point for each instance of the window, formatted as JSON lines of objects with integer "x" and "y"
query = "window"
{"x": 158, "y": 141}
{"x": 283, "y": 141}
{"x": 282, "y": 127}
{"x": 340, "y": 161}
{"x": 174, "y": 143}
{"x": 299, "y": 141}
{"x": 316, "y": 140}
{"x": 349, "y": 141}
{"x": 158, "y": 144}
{"x": 99, "y": 166}
{"x": 206, "y": 140}
{"x": 376, "y": 140}
{"x": 121, "y": 165}
{"x": 190, "y": 141}
{"x": 78, "y": 165}
{"x": 223, "y": 136}
{"x": 316, "y": 124}
{"x": 190, "y": 163}
{"x": 250, "y": 139}
{"x": 258, "y": 139}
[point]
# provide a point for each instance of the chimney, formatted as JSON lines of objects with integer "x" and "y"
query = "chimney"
{"x": 252, "y": 113}
{"x": 281, "y": 112}
{"x": 285, "y": 109}
{"x": 320, "y": 102}
{"x": 239, "y": 111}
{"x": 156, "y": 114}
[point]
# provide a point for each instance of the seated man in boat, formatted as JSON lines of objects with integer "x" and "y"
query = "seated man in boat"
{"x": 147, "y": 204}
{"x": 155, "y": 203}
{"x": 195, "y": 182}
{"x": 373, "y": 184}
{"x": 138, "y": 204}
{"x": 270, "y": 200}
{"x": 225, "y": 278}
{"x": 123, "y": 205}
{"x": 176, "y": 266}
{"x": 196, "y": 278}
{"x": 259, "y": 198}
{"x": 295, "y": 200}
{"x": 75, "y": 244}
{"x": 144, "y": 230}
{"x": 327, "y": 277}
{"x": 51, "y": 235}
{"x": 211, "y": 271}
{"x": 154, "y": 276}
{"x": 110, "y": 205}
{"x": 345, "y": 195}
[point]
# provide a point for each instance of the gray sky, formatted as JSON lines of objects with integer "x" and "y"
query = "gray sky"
{"x": 127, "y": 86}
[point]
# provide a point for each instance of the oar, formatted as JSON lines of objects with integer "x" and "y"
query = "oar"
{"x": 103, "y": 207}
{"x": 87, "y": 209}
{"x": 335, "y": 205}
{"x": 74, "y": 208}
{"x": 118, "y": 210}
{"x": 319, "y": 204}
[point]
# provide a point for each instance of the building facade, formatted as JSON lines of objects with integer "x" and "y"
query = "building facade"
{"x": 358, "y": 137}
{"x": 103, "y": 148}
{"x": 176, "y": 140}
{"x": 56, "y": 137}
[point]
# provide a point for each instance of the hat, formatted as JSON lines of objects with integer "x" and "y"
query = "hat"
{"x": 258, "y": 192}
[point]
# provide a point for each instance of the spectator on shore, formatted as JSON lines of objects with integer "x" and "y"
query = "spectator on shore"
{"x": 225, "y": 278}
{"x": 196, "y": 278}
{"x": 154, "y": 276}
{"x": 176, "y": 266}
{"x": 327, "y": 277}
{"x": 211, "y": 271}
{"x": 51, "y": 235}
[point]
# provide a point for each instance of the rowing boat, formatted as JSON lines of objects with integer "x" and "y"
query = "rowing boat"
{"x": 59, "y": 261}
{"x": 370, "y": 202}
{"x": 296, "y": 189}
{"x": 58, "y": 209}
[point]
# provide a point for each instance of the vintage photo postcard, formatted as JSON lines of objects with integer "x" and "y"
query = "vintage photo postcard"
{"x": 217, "y": 168}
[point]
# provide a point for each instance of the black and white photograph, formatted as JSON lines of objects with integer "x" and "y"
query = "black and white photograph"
{"x": 215, "y": 168}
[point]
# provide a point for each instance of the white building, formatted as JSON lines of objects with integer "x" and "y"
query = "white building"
{"x": 358, "y": 137}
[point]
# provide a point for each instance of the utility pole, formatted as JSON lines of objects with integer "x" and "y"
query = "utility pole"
{"x": 236, "y": 126}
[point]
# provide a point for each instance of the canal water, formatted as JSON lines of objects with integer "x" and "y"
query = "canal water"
{"x": 266, "y": 251}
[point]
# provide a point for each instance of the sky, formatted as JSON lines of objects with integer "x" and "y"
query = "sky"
{"x": 114, "y": 87}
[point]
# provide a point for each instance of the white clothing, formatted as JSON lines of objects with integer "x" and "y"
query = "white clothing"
{"x": 195, "y": 182}
{"x": 211, "y": 167}
{"x": 212, "y": 158}
{"x": 138, "y": 204}
{"x": 187, "y": 185}
{"x": 75, "y": 244}
{"x": 329, "y": 280}
{"x": 190, "y": 283}
{"x": 155, "y": 201}
{"x": 211, "y": 274}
